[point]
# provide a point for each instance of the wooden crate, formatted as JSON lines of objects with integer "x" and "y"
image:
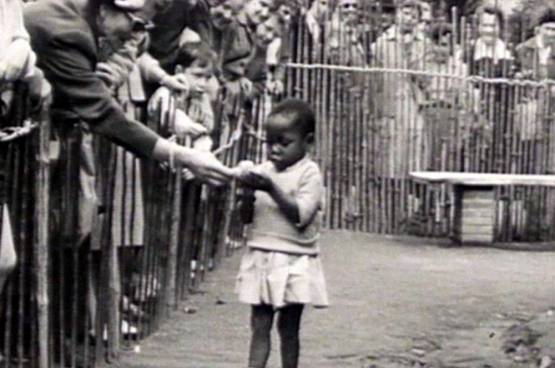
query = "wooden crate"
{"x": 474, "y": 220}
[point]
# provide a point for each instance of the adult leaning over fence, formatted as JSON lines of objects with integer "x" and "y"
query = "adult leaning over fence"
{"x": 65, "y": 34}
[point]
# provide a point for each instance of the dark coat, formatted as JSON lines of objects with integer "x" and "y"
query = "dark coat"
{"x": 528, "y": 59}
{"x": 66, "y": 46}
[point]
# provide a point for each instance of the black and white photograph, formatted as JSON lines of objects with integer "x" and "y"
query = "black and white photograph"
{"x": 277, "y": 183}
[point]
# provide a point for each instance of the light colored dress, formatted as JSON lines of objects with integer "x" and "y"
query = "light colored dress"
{"x": 282, "y": 264}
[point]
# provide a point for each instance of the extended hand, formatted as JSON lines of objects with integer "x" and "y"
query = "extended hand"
{"x": 184, "y": 125}
{"x": 204, "y": 165}
{"x": 176, "y": 82}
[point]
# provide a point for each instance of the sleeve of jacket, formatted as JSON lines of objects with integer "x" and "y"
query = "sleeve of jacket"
{"x": 71, "y": 73}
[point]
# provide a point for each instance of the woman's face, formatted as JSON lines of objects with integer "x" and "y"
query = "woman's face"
{"x": 257, "y": 11}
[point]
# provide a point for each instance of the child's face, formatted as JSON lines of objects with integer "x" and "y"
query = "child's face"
{"x": 198, "y": 78}
{"x": 285, "y": 13}
{"x": 286, "y": 143}
{"x": 267, "y": 31}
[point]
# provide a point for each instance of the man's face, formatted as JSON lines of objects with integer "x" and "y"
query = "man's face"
{"x": 119, "y": 26}
{"x": 488, "y": 28}
{"x": 547, "y": 30}
{"x": 349, "y": 11}
{"x": 257, "y": 11}
{"x": 407, "y": 18}
{"x": 223, "y": 13}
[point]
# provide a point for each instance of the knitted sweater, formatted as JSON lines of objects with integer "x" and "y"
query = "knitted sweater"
{"x": 270, "y": 229}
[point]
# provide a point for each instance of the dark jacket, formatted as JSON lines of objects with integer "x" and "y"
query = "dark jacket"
{"x": 528, "y": 59}
{"x": 169, "y": 26}
{"x": 66, "y": 46}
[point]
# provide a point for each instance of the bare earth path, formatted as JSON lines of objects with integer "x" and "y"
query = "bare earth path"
{"x": 397, "y": 302}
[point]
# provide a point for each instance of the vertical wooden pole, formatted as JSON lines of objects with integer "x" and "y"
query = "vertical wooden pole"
{"x": 171, "y": 298}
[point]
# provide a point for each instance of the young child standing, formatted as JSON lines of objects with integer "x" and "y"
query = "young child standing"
{"x": 281, "y": 270}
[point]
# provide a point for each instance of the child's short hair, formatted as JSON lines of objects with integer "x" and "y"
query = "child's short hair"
{"x": 199, "y": 54}
{"x": 302, "y": 115}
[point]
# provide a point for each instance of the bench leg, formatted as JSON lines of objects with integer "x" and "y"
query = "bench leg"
{"x": 474, "y": 221}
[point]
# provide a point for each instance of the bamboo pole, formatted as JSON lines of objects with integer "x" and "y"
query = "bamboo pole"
{"x": 343, "y": 153}
{"x": 170, "y": 295}
{"x": 188, "y": 236}
{"x": 110, "y": 290}
{"x": 332, "y": 202}
{"x": 365, "y": 129}
{"x": 360, "y": 204}
{"x": 22, "y": 194}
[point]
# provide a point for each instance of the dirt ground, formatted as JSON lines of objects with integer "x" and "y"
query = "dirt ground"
{"x": 397, "y": 302}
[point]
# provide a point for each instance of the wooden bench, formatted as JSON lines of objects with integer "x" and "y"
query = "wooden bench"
{"x": 474, "y": 199}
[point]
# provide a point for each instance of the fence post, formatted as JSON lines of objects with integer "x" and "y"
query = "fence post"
{"x": 171, "y": 296}
{"x": 42, "y": 190}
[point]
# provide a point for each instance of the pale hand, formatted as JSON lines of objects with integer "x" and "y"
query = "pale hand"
{"x": 107, "y": 74}
{"x": 184, "y": 125}
{"x": 246, "y": 86}
{"x": 275, "y": 87}
{"x": 12, "y": 65}
{"x": 204, "y": 165}
{"x": 177, "y": 83}
{"x": 242, "y": 168}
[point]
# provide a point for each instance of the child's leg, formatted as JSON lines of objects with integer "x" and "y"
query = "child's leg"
{"x": 289, "y": 325}
{"x": 262, "y": 317}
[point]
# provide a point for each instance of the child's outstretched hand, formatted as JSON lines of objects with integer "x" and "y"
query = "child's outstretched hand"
{"x": 247, "y": 173}
{"x": 257, "y": 180}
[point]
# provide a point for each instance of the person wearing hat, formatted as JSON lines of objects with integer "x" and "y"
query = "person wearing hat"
{"x": 535, "y": 57}
{"x": 535, "y": 60}
{"x": 65, "y": 34}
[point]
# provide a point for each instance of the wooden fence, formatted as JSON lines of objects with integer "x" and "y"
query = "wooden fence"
{"x": 105, "y": 255}
{"x": 397, "y": 108}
